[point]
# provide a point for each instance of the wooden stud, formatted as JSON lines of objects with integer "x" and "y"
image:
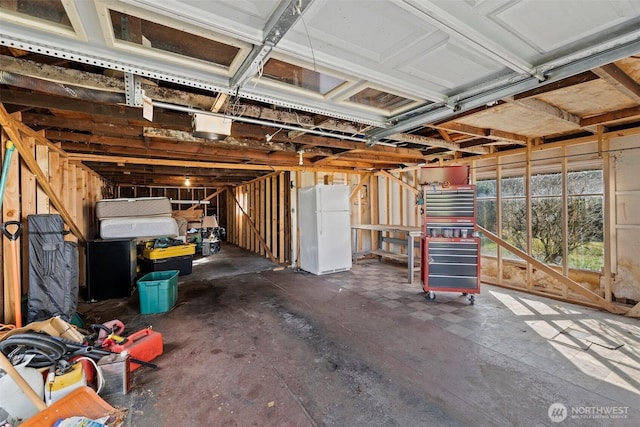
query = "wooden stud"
{"x": 499, "y": 218}
{"x": 388, "y": 208}
{"x": 573, "y": 286}
{"x": 255, "y": 232}
{"x": 373, "y": 206}
{"x": 528, "y": 212}
{"x": 70, "y": 193}
{"x": 267, "y": 214}
{"x": 565, "y": 219}
{"x": 263, "y": 196}
{"x": 283, "y": 186}
{"x": 42, "y": 200}
{"x": 11, "y": 212}
{"x": 609, "y": 212}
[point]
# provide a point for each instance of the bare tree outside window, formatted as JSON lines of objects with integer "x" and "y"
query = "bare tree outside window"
{"x": 584, "y": 215}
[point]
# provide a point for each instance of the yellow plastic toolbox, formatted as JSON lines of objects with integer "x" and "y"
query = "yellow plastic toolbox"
{"x": 169, "y": 252}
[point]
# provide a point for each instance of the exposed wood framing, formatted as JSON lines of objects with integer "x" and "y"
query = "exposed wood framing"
{"x": 611, "y": 116}
{"x": 539, "y": 106}
{"x": 398, "y": 180}
{"x": 363, "y": 180}
{"x": 492, "y": 134}
{"x": 528, "y": 213}
{"x": 13, "y": 129}
{"x": 10, "y": 212}
{"x": 209, "y": 197}
{"x": 585, "y": 77}
{"x": 592, "y": 297}
{"x": 283, "y": 209}
{"x": 194, "y": 164}
{"x": 256, "y": 215}
{"x": 46, "y": 181}
{"x": 609, "y": 212}
{"x": 221, "y": 99}
{"x": 620, "y": 80}
{"x": 550, "y": 145}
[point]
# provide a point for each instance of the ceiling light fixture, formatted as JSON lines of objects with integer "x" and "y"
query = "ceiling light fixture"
{"x": 187, "y": 181}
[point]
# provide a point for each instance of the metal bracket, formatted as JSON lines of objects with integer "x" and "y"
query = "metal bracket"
{"x": 132, "y": 90}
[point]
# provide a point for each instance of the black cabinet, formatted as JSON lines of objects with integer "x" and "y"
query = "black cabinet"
{"x": 111, "y": 268}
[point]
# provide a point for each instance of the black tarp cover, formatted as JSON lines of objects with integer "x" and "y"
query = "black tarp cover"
{"x": 53, "y": 270}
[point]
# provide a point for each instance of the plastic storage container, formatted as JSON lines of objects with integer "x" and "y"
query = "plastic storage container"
{"x": 168, "y": 252}
{"x": 158, "y": 291}
{"x": 184, "y": 264}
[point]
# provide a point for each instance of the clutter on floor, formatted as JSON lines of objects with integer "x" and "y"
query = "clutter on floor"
{"x": 57, "y": 374}
{"x": 53, "y": 372}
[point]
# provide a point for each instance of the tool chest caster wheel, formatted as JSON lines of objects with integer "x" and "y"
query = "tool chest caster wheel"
{"x": 472, "y": 299}
{"x": 431, "y": 296}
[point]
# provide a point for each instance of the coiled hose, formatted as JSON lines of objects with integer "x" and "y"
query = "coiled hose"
{"x": 44, "y": 349}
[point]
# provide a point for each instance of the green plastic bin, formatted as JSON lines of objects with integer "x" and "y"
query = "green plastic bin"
{"x": 158, "y": 291}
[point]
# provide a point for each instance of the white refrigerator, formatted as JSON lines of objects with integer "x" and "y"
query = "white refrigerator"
{"x": 325, "y": 228}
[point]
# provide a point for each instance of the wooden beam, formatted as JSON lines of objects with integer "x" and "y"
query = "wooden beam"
{"x": 445, "y": 135}
{"x": 105, "y": 83}
{"x": 133, "y": 114}
{"x": 538, "y": 106}
{"x": 196, "y": 164}
{"x": 398, "y": 180}
{"x": 587, "y": 76}
{"x": 571, "y": 284}
{"x": 12, "y": 127}
{"x": 493, "y": 134}
{"x": 551, "y": 145}
{"x": 209, "y": 197}
{"x": 230, "y": 141}
{"x": 620, "y": 80}
{"x": 611, "y": 116}
{"x": 358, "y": 187}
{"x": 10, "y": 253}
{"x": 221, "y": 99}
{"x": 424, "y": 140}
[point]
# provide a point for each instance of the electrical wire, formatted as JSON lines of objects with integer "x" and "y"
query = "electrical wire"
{"x": 100, "y": 381}
{"x": 313, "y": 55}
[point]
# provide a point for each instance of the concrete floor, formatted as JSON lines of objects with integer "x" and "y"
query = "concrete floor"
{"x": 248, "y": 346}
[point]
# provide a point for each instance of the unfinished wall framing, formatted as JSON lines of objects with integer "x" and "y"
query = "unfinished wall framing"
{"x": 258, "y": 216}
{"x": 615, "y": 277}
{"x": 74, "y": 185}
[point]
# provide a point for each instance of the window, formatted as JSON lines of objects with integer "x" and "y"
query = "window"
{"x": 301, "y": 77}
{"x": 50, "y": 10}
{"x": 378, "y": 99}
{"x": 486, "y": 214}
{"x": 586, "y": 219}
{"x": 152, "y": 35}
{"x": 585, "y": 200}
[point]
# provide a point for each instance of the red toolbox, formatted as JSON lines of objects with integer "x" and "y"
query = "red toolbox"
{"x": 144, "y": 345}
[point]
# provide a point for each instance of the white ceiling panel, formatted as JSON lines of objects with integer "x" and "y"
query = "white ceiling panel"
{"x": 375, "y": 32}
{"x": 551, "y": 25}
{"x": 532, "y": 31}
{"x": 451, "y": 65}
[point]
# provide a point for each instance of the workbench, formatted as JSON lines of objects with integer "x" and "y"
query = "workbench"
{"x": 383, "y": 230}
